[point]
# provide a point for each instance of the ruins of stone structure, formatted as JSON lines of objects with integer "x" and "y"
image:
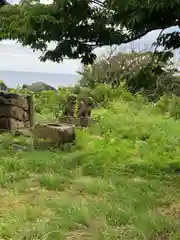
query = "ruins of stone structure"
{"x": 84, "y": 108}
{"x": 56, "y": 133}
{"x": 69, "y": 108}
{"x": 83, "y": 115}
{"x": 16, "y": 111}
{"x": 84, "y": 111}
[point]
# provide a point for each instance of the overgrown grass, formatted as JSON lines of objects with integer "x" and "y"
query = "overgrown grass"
{"x": 120, "y": 181}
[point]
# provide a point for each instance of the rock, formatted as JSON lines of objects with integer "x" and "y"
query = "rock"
{"x": 18, "y": 147}
{"x": 15, "y": 112}
{"x": 27, "y": 124}
{"x": 9, "y": 123}
{"x": 3, "y": 86}
{"x": 38, "y": 87}
{"x": 14, "y": 99}
{"x": 57, "y": 133}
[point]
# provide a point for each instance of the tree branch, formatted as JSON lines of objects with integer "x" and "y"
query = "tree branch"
{"x": 162, "y": 28}
{"x": 3, "y": 2}
{"x": 98, "y": 2}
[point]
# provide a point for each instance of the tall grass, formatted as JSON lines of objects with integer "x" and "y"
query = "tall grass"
{"x": 119, "y": 181}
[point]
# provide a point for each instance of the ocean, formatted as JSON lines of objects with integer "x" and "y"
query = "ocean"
{"x": 14, "y": 78}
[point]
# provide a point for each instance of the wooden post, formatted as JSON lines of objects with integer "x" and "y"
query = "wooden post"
{"x": 31, "y": 112}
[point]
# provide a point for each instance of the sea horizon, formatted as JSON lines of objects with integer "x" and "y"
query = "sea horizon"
{"x": 14, "y": 78}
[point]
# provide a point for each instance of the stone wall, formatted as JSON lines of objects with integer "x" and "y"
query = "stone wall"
{"x": 15, "y": 111}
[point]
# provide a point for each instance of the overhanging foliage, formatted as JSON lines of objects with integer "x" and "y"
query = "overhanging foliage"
{"x": 77, "y": 27}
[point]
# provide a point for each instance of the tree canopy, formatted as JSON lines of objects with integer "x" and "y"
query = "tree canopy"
{"x": 3, "y": 2}
{"x": 77, "y": 27}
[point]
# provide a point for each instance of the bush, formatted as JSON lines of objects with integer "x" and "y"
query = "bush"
{"x": 113, "y": 69}
{"x": 169, "y": 105}
{"x": 144, "y": 72}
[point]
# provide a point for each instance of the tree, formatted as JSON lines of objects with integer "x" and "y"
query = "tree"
{"x": 3, "y": 3}
{"x": 114, "y": 69}
{"x": 77, "y": 27}
{"x": 137, "y": 71}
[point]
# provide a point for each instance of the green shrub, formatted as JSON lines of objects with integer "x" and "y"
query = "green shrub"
{"x": 150, "y": 74}
{"x": 169, "y": 104}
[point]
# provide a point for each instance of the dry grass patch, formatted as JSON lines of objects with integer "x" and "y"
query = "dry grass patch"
{"x": 172, "y": 210}
{"x": 10, "y": 201}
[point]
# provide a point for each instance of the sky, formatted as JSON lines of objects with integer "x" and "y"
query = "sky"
{"x": 17, "y": 58}
{"x": 14, "y": 57}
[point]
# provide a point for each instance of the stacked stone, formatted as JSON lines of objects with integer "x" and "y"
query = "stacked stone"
{"x": 14, "y": 111}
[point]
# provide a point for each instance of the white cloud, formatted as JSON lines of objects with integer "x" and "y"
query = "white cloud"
{"x": 17, "y": 58}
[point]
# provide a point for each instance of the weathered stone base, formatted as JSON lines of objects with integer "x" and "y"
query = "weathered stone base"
{"x": 56, "y": 133}
{"x": 82, "y": 122}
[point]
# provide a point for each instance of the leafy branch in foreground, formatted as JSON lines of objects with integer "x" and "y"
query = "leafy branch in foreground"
{"x": 77, "y": 27}
{"x": 3, "y": 3}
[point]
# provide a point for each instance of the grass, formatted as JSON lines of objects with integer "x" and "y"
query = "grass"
{"x": 120, "y": 181}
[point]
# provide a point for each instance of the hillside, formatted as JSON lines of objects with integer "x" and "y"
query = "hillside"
{"x": 120, "y": 181}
